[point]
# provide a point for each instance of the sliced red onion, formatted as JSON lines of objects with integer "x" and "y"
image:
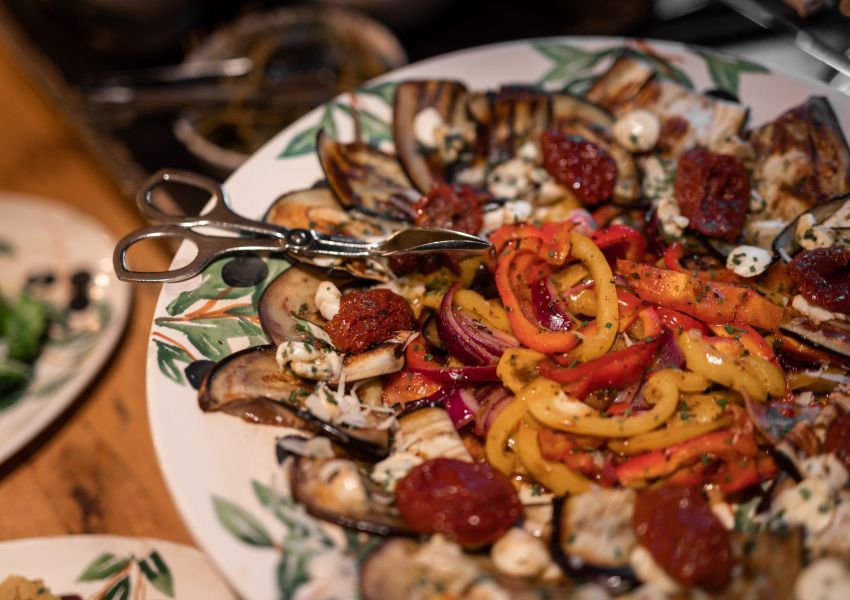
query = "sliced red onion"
{"x": 548, "y": 307}
{"x": 484, "y": 336}
{"x": 671, "y": 356}
{"x": 456, "y": 339}
{"x": 491, "y": 404}
{"x": 461, "y": 405}
{"x": 466, "y": 341}
{"x": 458, "y": 375}
{"x": 628, "y": 394}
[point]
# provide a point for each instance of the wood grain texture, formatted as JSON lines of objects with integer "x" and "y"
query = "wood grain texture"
{"x": 94, "y": 470}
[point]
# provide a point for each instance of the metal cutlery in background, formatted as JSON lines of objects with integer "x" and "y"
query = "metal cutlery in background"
{"x": 769, "y": 15}
{"x": 256, "y": 236}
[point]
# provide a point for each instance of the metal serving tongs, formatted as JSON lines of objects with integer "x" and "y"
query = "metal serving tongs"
{"x": 262, "y": 237}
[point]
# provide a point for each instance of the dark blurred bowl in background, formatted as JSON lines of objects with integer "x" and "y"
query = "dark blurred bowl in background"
{"x": 302, "y": 57}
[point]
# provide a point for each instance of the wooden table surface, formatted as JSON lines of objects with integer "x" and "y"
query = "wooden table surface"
{"x": 94, "y": 470}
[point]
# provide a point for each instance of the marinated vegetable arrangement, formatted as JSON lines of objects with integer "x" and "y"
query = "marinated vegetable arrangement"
{"x": 641, "y": 391}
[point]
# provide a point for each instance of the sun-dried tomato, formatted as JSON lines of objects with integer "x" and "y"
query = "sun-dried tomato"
{"x": 448, "y": 206}
{"x": 713, "y": 192}
{"x": 471, "y": 503}
{"x": 580, "y": 165}
{"x": 822, "y": 277}
{"x": 368, "y": 318}
{"x": 676, "y": 525}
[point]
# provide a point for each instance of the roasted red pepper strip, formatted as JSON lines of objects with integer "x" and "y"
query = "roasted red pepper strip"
{"x": 419, "y": 359}
{"x": 673, "y": 261}
{"x": 628, "y": 306}
{"x": 530, "y": 333}
{"x": 554, "y": 245}
{"x": 406, "y": 386}
{"x": 678, "y": 322}
{"x": 659, "y": 463}
{"x": 620, "y": 241}
{"x": 673, "y": 257}
{"x": 709, "y": 301}
{"x": 749, "y": 338}
{"x": 736, "y": 474}
{"x": 614, "y": 370}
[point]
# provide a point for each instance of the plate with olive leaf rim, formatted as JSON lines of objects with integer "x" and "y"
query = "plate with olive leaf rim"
{"x": 223, "y": 473}
{"x": 64, "y": 257}
{"x": 107, "y": 566}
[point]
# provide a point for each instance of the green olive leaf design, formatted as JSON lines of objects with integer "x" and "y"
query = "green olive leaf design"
{"x": 213, "y": 337}
{"x": 663, "y": 66}
{"x": 157, "y": 573}
{"x": 305, "y": 142}
{"x": 725, "y": 71}
{"x": 569, "y": 63}
{"x": 212, "y": 287}
{"x": 120, "y": 590}
{"x": 385, "y": 91}
{"x": 375, "y": 128}
{"x": 240, "y": 523}
{"x": 167, "y": 357}
{"x": 291, "y": 574}
{"x": 104, "y": 566}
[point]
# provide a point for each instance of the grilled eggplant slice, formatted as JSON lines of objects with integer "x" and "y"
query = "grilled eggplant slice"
{"x": 425, "y": 165}
{"x": 335, "y": 490}
{"x": 687, "y": 118}
{"x": 620, "y": 83}
{"x": 802, "y": 159}
{"x": 519, "y": 114}
{"x": 832, "y": 336}
{"x": 317, "y": 208}
{"x": 592, "y": 537}
{"x": 290, "y": 296}
{"x": 385, "y": 358}
{"x": 393, "y": 570}
{"x": 367, "y": 180}
{"x": 567, "y": 109}
{"x": 251, "y": 385}
{"x": 785, "y": 244}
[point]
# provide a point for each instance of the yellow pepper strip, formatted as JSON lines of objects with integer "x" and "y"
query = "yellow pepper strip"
{"x": 701, "y": 408}
{"x": 491, "y": 313}
{"x": 820, "y": 381}
{"x": 721, "y": 368}
{"x": 496, "y": 444}
{"x": 518, "y": 367}
{"x": 568, "y": 277}
{"x": 548, "y": 403}
{"x": 607, "y": 311}
{"x": 556, "y": 476}
{"x": 468, "y": 268}
{"x": 667, "y": 436}
{"x": 765, "y": 371}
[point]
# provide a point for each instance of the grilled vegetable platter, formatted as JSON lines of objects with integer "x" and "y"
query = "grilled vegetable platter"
{"x": 642, "y": 391}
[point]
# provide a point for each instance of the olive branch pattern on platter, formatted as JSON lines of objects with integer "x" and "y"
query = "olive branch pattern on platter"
{"x": 215, "y": 319}
{"x": 305, "y": 544}
{"x": 120, "y": 579}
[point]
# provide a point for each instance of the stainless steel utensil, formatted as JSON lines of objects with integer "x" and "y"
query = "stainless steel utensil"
{"x": 255, "y": 236}
{"x": 769, "y": 17}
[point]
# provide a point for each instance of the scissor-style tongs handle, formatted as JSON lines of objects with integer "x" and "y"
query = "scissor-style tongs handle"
{"x": 257, "y": 236}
